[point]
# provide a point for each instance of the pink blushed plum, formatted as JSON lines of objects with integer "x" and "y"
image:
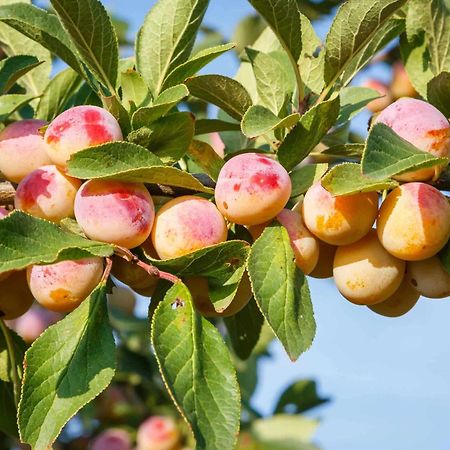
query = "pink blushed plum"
{"x": 304, "y": 244}
{"x": 186, "y": 224}
{"x": 78, "y": 128}
{"x": 378, "y": 104}
{"x": 47, "y": 193}
{"x": 112, "y": 439}
{"x": 422, "y": 125}
{"x": 33, "y": 323}
{"x": 62, "y": 286}
{"x": 158, "y": 433}
{"x": 252, "y": 189}
{"x": 117, "y": 212}
{"x": 22, "y": 149}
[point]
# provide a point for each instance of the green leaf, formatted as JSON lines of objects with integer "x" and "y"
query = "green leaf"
{"x": 189, "y": 68}
{"x": 445, "y": 257}
{"x": 344, "y": 151}
{"x": 304, "y": 177}
{"x": 12, "y": 102}
{"x": 438, "y": 92}
{"x": 387, "y": 154}
{"x": 205, "y": 126}
{"x": 244, "y": 329}
{"x": 283, "y": 18}
{"x": 302, "y": 395}
{"x": 308, "y": 133}
{"x": 166, "y": 39}
{"x": 129, "y": 162}
{"x": 416, "y": 59}
{"x": 312, "y": 58}
{"x": 19, "y": 348}
{"x": 26, "y": 240}
{"x": 353, "y": 100}
{"x": 281, "y": 290}
{"x": 347, "y": 179}
{"x": 67, "y": 367}
{"x": 205, "y": 157}
{"x": 171, "y": 136}
{"x": 271, "y": 81}
{"x": 284, "y": 432}
{"x": 433, "y": 17}
{"x": 92, "y": 33}
{"x": 259, "y": 120}
{"x": 8, "y": 423}
{"x": 223, "y": 265}
{"x": 134, "y": 90}
{"x": 197, "y": 369}
{"x": 354, "y": 27}
{"x": 42, "y": 27}
{"x": 115, "y": 107}
{"x": 165, "y": 101}
{"x": 381, "y": 38}
{"x": 221, "y": 91}
{"x": 14, "y": 43}
{"x": 13, "y": 68}
{"x": 57, "y": 94}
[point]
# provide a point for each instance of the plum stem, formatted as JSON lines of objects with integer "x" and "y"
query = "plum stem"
{"x": 107, "y": 270}
{"x": 149, "y": 268}
{"x": 12, "y": 360}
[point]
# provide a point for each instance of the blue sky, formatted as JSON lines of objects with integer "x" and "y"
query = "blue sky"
{"x": 389, "y": 379}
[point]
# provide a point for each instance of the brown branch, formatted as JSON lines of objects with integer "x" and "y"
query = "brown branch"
{"x": 7, "y": 193}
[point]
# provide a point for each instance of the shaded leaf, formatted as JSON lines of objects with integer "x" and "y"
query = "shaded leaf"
{"x": 205, "y": 157}
{"x": 67, "y": 366}
{"x": 281, "y": 290}
{"x": 189, "y": 68}
{"x": 57, "y": 94}
{"x": 244, "y": 329}
{"x": 304, "y": 177}
{"x": 8, "y": 423}
{"x": 42, "y": 27}
{"x": 259, "y": 120}
{"x": 205, "y": 126}
{"x": 26, "y": 240}
{"x": 438, "y": 92}
{"x": 308, "y": 133}
{"x": 221, "y": 91}
{"x": 197, "y": 369}
{"x": 167, "y": 100}
{"x": 302, "y": 396}
{"x": 92, "y": 34}
{"x": 19, "y": 348}
{"x": 13, "y": 68}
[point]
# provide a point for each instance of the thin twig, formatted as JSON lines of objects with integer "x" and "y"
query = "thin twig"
{"x": 107, "y": 270}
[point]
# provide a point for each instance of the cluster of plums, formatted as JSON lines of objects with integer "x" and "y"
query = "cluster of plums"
{"x": 155, "y": 433}
{"x": 387, "y": 268}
